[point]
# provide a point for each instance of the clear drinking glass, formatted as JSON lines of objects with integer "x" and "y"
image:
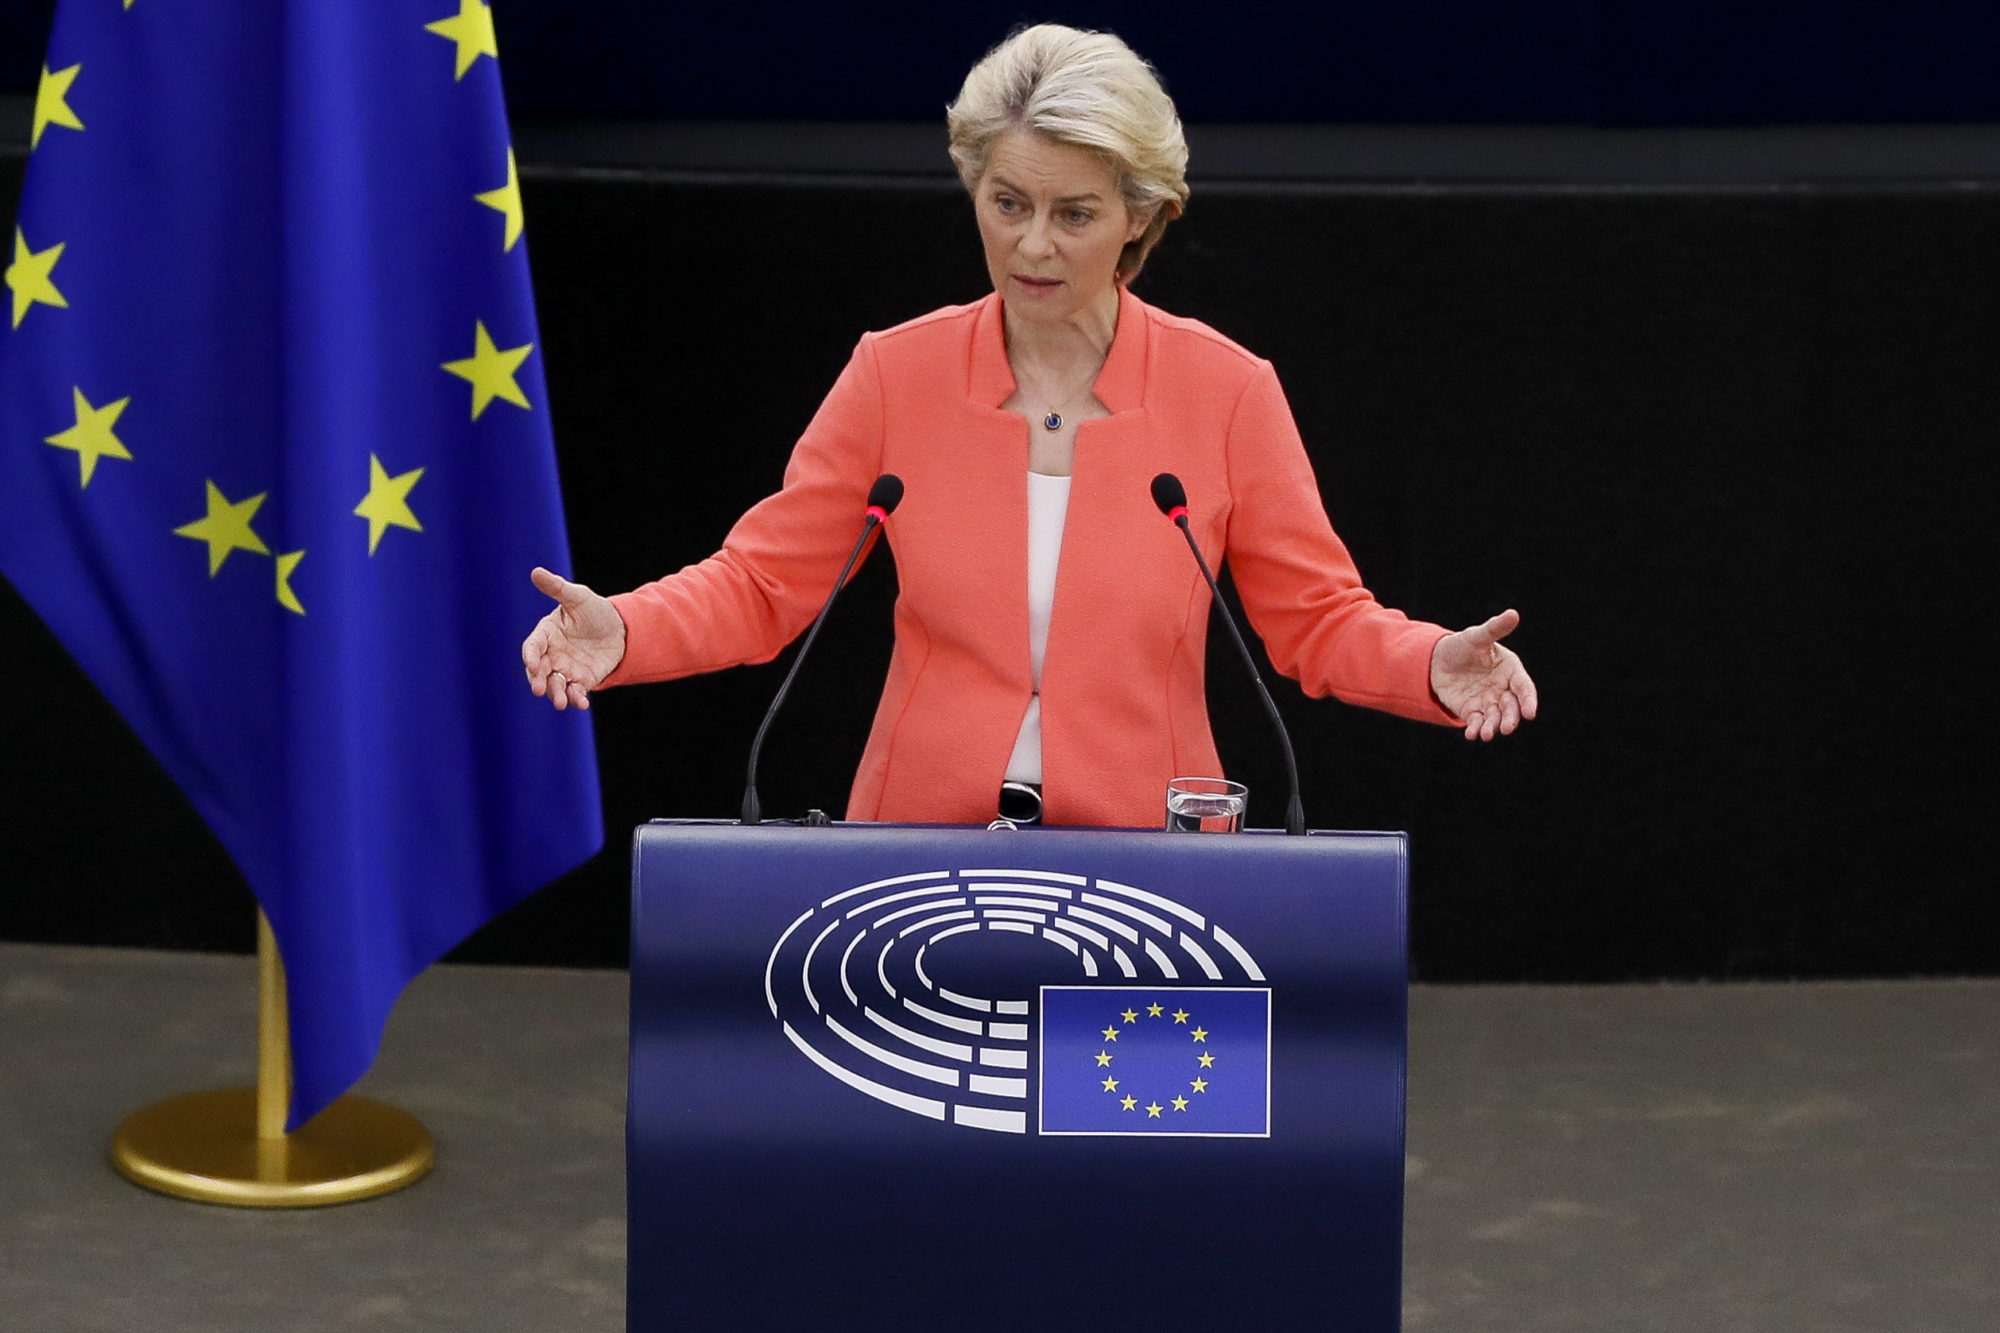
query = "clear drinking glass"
{"x": 1206, "y": 805}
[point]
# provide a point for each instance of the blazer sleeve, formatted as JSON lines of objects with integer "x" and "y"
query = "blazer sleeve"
{"x": 1297, "y": 580}
{"x": 747, "y": 601}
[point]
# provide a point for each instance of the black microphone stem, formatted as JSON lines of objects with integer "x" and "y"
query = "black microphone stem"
{"x": 753, "y": 812}
{"x": 1295, "y": 811}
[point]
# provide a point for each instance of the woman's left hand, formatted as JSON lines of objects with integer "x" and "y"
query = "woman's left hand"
{"x": 1483, "y": 684}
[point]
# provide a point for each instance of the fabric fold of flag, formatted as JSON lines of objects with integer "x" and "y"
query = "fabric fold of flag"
{"x": 275, "y": 459}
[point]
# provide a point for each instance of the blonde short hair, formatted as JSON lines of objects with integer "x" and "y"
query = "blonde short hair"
{"x": 1088, "y": 90}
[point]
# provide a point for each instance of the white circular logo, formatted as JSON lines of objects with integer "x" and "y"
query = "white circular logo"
{"x": 852, "y": 980}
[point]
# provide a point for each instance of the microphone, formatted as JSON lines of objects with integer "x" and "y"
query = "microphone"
{"x": 883, "y": 497}
{"x": 1171, "y": 497}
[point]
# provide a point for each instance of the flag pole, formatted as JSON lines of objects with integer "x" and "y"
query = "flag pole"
{"x": 229, "y": 1145}
{"x": 274, "y": 1038}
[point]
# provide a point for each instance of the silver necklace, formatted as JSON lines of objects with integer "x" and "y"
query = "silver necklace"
{"x": 1054, "y": 420}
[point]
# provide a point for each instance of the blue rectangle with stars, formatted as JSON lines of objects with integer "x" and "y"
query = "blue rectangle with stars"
{"x": 1156, "y": 1060}
{"x": 275, "y": 461}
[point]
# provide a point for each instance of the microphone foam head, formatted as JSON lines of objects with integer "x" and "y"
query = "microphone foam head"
{"x": 886, "y": 493}
{"x": 1168, "y": 493}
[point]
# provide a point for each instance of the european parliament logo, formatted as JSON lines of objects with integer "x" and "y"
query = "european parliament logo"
{"x": 1029, "y": 1001}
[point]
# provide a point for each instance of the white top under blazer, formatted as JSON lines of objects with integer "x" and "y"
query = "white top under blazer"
{"x": 1048, "y": 505}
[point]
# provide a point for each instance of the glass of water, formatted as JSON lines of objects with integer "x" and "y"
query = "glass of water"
{"x": 1206, "y": 805}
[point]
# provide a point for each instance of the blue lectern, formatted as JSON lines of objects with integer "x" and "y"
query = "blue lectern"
{"x": 945, "y": 1080}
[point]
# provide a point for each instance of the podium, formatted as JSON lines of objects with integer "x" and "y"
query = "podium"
{"x": 950, "y": 1080}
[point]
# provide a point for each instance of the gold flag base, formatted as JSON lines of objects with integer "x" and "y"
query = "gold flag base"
{"x": 205, "y": 1146}
{"x": 230, "y": 1146}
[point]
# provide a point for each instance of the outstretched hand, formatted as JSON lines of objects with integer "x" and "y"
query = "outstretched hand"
{"x": 1480, "y": 681}
{"x": 574, "y": 646}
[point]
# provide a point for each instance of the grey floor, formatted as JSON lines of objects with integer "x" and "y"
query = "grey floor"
{"x": 1780, "y": 1157}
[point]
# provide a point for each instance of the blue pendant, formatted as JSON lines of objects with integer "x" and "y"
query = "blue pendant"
{"x": 1053, "y": 421}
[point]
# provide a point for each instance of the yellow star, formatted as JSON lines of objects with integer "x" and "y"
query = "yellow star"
{"x": 1180, "y": 1015}
{"x": 472, "y": 28}
{"x": 50, "y": 106}
{"x": 387, "y": 504}
{"x": 1200, "y": 1034}
{"x": 1111, "y": 1085}
{"x": 286, "y": 597}
{"x": 507, "y": 202}
{"x": 29, "y": 276}
{"x": 490, "y": 370}
{"x": 1207, "y": 1060}
{"x": 1129, "y": 1102}
{"x": 1200, "y": 1085}
{"x": 92, "y": 437}
{"x": 1155, "y": 1010}
{"x": 1130, "y": 1015}
{"x": 1180, "y": 1103}
{"x": 1111, "y": 1034}
{"x": 225, "y": 528}
{"x": 1153, "y": 1110}
{"x": 1103, "y": 1059}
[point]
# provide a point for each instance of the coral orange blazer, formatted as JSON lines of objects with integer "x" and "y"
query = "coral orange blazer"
{"x": 1123, "y": 707}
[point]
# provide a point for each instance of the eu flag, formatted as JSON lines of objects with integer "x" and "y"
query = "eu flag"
{"x": 275, "y": 458}
{"x": 1174, "y": 1060}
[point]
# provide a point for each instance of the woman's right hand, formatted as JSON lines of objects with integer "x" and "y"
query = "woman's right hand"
{"x": 575, "y": 646}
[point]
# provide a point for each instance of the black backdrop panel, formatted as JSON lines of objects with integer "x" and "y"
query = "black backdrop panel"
{"x": 1724, "y": 450}
{"x": 1572, "y": 62}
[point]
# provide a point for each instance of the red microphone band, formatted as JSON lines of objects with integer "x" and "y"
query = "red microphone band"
{"x": 1177, "y": 513}
{"x": 878, "y": 514}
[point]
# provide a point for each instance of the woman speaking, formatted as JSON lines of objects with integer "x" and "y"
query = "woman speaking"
{"x": 1051, "y": 626}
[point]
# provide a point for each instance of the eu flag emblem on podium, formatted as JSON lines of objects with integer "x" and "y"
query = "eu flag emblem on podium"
{"x": 1158, "y": 1060}
{"x": 275, "y": 459}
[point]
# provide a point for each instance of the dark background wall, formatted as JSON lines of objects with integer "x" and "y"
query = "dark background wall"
{"x": 1587, "y": 62}
{"x": 1725, "y": 447}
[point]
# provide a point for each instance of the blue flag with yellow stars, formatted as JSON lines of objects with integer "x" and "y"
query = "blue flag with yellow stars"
{"x": 1156, "y": 1060}
{"x": 275, "y": 460}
